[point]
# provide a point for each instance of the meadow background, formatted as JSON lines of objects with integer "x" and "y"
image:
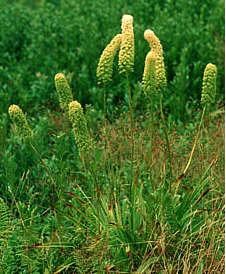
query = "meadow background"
{"x": 58, "y": 216}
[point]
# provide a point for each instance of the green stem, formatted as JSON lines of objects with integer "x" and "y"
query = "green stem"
{"x": 165, "y": 130}
{"x": 195, "y": 143}
{"x": 131, "y": 190}
{"x": 177, "y": 183}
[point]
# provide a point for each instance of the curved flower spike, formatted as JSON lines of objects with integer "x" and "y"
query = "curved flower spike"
{"x": 156, "y": 46}
{"x": 105, "y": 65}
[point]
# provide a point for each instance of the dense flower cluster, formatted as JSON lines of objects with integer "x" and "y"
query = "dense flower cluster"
{"x": 63, "y": 90}
{"x": 209, "y": 84}
{"x": 126, "y": 53}
{"x": 17, "y": 116}
{"x": 79, "y": 124}
{"x": 156, "y": 46}
{"x": 148, "y": 80}
{"x": 105, "y": 65}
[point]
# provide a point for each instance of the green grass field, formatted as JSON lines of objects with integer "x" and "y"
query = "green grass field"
{"x": 111, "y": 164}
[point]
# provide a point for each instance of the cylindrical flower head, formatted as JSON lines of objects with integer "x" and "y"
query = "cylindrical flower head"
{"x": 63, "y": 90}
{"x": 105, "y": 65}
{"x": 156, "y": 46}
{"x": 79, "y": 124}
{"x": 126, "y": 53}
{"x": 209, "y": 84}
{"x": 18, "y": 118}
{"x": 149, "y": 75}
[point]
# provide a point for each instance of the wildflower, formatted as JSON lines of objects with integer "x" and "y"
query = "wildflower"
{"x": 149, "y": 75}
{"x": 126, "y": 53}
{"x": 63, "y": 90}
{"x": 17, "y": 116}
{"x": 105, "y": 65}
{"x": 209, "y": 84}
{"x": 79, "y": 124}
{"x": 156, "y": 46}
